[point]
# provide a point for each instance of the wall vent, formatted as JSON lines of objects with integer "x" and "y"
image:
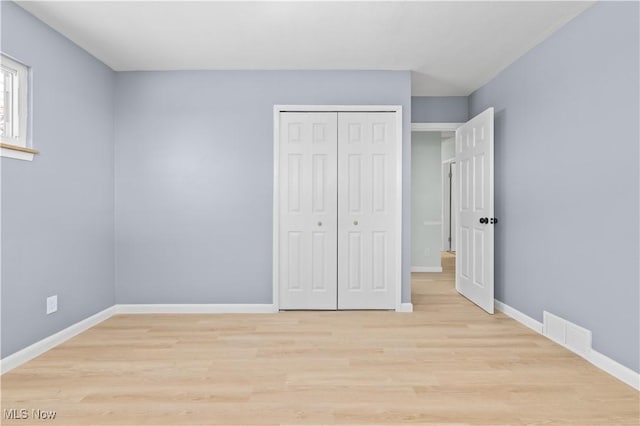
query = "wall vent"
{"x": 567, "y": 334}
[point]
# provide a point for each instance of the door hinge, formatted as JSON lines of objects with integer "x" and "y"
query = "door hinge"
{"x": 449, "y": 239}
{"x": 450, "y": 175}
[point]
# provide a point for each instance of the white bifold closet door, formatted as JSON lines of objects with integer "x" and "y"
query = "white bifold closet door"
{"x": 338, "y": 187}
{"x": 308, "y": 250}
{"x": 367, "y": 190}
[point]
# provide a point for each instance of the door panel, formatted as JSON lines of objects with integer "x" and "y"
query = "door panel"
{"x": 474, "y": 158}
{"x": 380, "y": 260}
{"x": 294, "y": 271}
{"x": 367, "y": 149}
{"x": 319, "y": 196}
{"x": 355, "y": 185}
{"x": 319, "y": 262}
{"x": 308, "y": 214}
{"x": 354, "y": 259}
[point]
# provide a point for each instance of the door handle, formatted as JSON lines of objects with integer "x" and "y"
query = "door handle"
{"x": 355, "y": 222}
{"x": 494, "y": 220}
{"x": 484, "y": 220}
{"x": 319, "y": 223}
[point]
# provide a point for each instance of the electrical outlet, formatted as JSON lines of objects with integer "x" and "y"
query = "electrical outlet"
{"x": 52, "y": 304}
{"x": 427, "y": 252}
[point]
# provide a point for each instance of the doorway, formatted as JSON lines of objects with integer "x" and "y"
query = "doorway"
{"x": 432, "y": 200}
{"x": 470, "y": 182}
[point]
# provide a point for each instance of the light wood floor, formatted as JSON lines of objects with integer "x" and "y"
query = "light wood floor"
{"x": 448, "y": 362}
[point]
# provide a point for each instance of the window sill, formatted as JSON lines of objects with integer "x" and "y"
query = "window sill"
{"x": 17, "y": 152}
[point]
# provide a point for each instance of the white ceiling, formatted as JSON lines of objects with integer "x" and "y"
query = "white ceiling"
{"x": 452, "y": 48}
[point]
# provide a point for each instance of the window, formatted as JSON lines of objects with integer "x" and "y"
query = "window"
{"x": 14, "y": 89}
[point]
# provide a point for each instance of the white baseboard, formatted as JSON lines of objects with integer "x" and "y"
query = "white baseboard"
{"x": 214, "y": 308}
{"x": 603, "y": 362}
{"x": 426, "y": 269}
{"x": 30, "y": 352}
{"x": 614, "y": 368}
{"x": 16, "y": 359}
{"x": 519, "y": 316}
{"x": 405, "y": 307}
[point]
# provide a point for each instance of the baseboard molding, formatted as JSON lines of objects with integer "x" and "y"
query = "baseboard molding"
{"x": 214, "y": 308}
{"x": 30, "y": 352}
{"x": 426, "y": 269}
{"x": 405, "y": 307}
{"x": 614, "y": 368}
{"x": 603, "y": 362}
{"x": 608, "y": 365}
{"x": 519, "y": 316}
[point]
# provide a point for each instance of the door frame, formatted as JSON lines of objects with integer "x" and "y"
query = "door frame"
{"x": 277, "y": 109}
{"x": 444, "y": 171}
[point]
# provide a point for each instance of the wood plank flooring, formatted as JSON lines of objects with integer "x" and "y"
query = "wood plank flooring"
{"x": 446, "y": 363}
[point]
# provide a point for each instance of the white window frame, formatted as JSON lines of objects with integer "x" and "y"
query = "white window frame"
{"x": 18, "y": 146}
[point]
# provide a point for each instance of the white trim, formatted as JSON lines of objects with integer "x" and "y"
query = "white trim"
{"x": 426, "y": 269}
{"x": 277, "y": 109}
{"x": 214, "y": 308}
{"x": 405, "y": 307}
{"x": 519, "y": 316}
{"x": 337, "y": 108}
{"x": 603, "y": 362}
{"x": 38, "y": 348}
{"x": 18, "y": 155}
{"x": 16, "y": 359}
{"x": 435, "y": 127}
{"x": 30, "y": 352}
{"x": 21, "y": 97}
{"x": 444, "y": 239}
{"x": 614, "y": 368}
{"x": 399, "y": 142}
{"x": 276, "y": 210}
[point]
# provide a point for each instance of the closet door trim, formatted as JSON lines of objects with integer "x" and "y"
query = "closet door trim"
{"x": 277, "y": 109}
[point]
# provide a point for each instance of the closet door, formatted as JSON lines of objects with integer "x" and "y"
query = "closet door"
{"x": 367, "y": 190}
{"x": 308, "y": 211}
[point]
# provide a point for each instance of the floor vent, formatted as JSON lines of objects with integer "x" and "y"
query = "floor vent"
{"x": 567, "y": 334}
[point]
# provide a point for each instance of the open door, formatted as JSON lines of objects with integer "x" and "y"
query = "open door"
{"x": 474, "y": 257}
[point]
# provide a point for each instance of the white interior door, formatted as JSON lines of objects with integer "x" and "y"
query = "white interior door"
{"x": 308, "y": 210}
{"x": 474, "y": 256}
{"x": 367, "y": 150}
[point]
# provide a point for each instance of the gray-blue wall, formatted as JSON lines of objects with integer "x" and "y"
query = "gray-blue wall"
{"x": 566, "y": 178}
{"x": 57, "y": 211}
{"x": 194, "y": 176}
{"x": 439, "y": 109}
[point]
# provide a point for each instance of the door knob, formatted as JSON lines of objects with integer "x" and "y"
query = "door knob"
{"x": 494, "y": 220}
{"x": 319, "y": 223}
{"x": 355, "y": 222}
{"x": 484, "y": 220}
